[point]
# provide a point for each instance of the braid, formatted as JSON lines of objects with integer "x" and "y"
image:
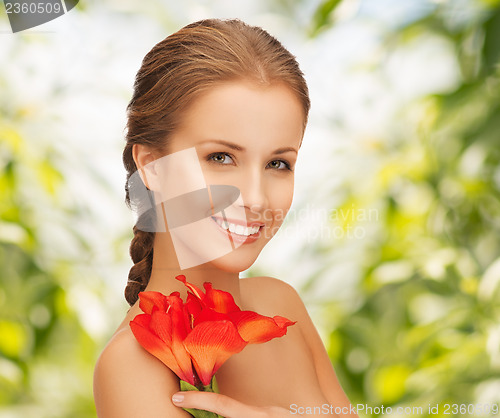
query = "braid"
{"x": 141, "y": 251}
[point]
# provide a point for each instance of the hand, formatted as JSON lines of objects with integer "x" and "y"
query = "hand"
{"x": 226, "y": 406}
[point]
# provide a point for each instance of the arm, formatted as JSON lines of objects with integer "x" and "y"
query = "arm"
{"x": 130, "y": 383}
{"x": 327, "y": 378}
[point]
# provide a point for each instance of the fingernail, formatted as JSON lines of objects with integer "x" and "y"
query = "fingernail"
{"x": 177, "y": 398}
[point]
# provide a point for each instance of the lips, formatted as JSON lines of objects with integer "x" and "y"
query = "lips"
{"x": 240, "y": 231}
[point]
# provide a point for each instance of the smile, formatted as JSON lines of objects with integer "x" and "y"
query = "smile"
{"x": 237, "y": 229}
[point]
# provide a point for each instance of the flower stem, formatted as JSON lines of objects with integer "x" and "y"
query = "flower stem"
{"x": 212, "y": 387}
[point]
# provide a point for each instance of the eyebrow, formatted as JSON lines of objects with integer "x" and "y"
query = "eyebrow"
{"x": 239, "y": 148}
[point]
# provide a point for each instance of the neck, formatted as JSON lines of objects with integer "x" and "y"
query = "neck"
{"x": 166, "y": 267}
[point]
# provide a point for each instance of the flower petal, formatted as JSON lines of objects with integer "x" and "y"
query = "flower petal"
{"x": 210, "y": 345}
{"x": 207, "y": 314}
{"x": 193, "y": 304}
{"x": 173, "y": 328}
{"x": 257, "y": 329}
{"x": 179, "y": 315}
{"x": 219, "y": 300}
{"x": 160, "y": 324}
{"x": 149, "y": 300}
{"x": 157, "y": 347}
{"x": 282, "y": 321}
{"x": 196, "y": 290}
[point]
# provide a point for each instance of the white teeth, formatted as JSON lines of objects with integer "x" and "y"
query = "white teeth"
{"x": 240, "y": 229}
{"x": 237, "y": 229}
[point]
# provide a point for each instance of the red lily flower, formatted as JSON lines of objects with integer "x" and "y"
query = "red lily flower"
{"x": 253, "y": 328}
{"x": 202, "y": 333}
{"x": 210, "y": 344}
{"x": 162, "y": 329}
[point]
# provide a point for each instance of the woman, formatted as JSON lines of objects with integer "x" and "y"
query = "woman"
{"x": 217, "y": 103}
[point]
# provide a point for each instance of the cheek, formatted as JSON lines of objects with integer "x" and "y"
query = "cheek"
{"x": 281, "y": 200}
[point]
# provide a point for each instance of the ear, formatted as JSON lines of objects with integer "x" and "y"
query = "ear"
{"x": 144, "y": 159}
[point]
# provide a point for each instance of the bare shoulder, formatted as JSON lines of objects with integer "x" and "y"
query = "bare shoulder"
{"x": 271, "y": 294}
{"x": 130, "y": 382}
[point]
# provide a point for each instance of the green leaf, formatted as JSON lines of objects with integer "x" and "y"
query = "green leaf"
{"x": 214, "y": 385}
{"x": 322, "y": 15}
{"x": 492, "y": 37}
{"x": 199, "y": 413}
{"x": 187, "y": 386}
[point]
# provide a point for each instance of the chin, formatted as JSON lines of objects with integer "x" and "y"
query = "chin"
{"x": 235, "y": 262}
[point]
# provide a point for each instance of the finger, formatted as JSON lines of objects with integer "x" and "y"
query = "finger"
{"x": 215, "y": 402}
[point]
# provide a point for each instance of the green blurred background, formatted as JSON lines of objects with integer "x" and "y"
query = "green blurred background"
{"x": 394, "y": 236}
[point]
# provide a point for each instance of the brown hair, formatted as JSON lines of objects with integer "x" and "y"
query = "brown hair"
{"x": 172, "y": 74}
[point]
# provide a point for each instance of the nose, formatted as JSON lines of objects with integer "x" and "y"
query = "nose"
{"x": 254, "y": 193}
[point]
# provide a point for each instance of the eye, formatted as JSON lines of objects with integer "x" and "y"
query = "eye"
{"x": 279, "y": 165}
{"x": 220, "y": 158}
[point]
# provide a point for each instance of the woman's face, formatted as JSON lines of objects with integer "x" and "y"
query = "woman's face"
{"x": 248, "y": 136}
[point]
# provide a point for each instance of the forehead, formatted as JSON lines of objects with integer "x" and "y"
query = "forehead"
{"x": 242, "y": 112}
